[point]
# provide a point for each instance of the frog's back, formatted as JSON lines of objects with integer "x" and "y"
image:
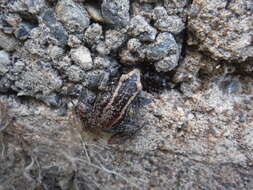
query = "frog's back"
{"x": 125, "y": 92}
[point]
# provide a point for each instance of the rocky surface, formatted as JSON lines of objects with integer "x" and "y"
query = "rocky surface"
{"x": 196, "y": 106}
{"x": 222, "y": 29}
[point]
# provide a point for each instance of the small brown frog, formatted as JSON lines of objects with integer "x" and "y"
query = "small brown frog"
{"x": 110, "y": 107}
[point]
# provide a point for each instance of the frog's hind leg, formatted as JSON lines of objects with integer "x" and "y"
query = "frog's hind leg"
{"x": 123, "y": 132}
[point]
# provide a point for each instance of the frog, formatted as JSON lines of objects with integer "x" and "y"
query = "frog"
{"x": 110, "y": 107}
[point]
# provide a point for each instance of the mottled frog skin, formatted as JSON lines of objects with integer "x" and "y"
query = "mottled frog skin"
{"x": 110, "y": 107}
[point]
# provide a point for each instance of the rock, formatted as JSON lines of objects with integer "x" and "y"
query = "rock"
{"x": 129, "y": 58}
{"x": 74, "y": 41}
{"x": 73, "y": 90}
{"x": 133, "y": 45}
{"x": 97, "y": 79}
{"x": 4, "y": 62}
{"x": 93, "y": 34}
{"x": 102, "y": 49}
{"x": 116, "y": 12}
{"x": 109, "y": 64}
{"x": 55, "y": 51}
{"x": 140, "y": 29}
{"x": 82, "y": 57}
{"x": 143, "y": 9}
{"x": 18, "y": 67}
{"x": 114, "y": 39}
{"x": 188, "y": 68}
{"x": 167, "y": 63}
{"x": 37, "y": 81}
{"x": 42, "y": 37}
{"x": 56, "y": 28}
{"x": 31, "y": 6}
{"x": 75, "y": 73}
{"x": 176, "y": 4}
{"x": 230, "y": 85}
{"x": 166, "y": 23}
{"x": 134, "y": 53}
{"x": 23, "y": 31}
{"x": 177, "y": 7}
{"x": 5, "y": 85}
{"x": 51, "y": 100}
{"x": 222, "y": 29}
{"x": 7, "y": 42}
{"x": 190, "y": 87}
{"x": 73, "y": 17}
{"x": 164, "y": 45}
{"x": 37, "y": 44}
{"x": 101, "y": 62}
{"x": 95, "y": 13}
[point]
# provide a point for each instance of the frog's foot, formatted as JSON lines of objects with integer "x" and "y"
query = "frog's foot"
{"x": 124, "y": 132}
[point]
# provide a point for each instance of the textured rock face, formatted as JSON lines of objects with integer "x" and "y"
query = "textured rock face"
{"x": 222, "y": 28}
{"x": 195, "y": 109}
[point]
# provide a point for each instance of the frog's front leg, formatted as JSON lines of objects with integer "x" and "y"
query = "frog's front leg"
{"x": 123, "y": 132}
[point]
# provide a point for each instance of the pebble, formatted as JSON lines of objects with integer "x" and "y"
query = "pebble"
{"x": 141, "y": 29}
{"x": 101, "y": 62}
{"x": 102, "y": 49}
{"x": 73, "y": 17}
{"x": 164, "y": 45}
{"x": 166, "y": 23}
{"x": 135, "y": 52}
{"x": 114, "y": 39}
{"x": 167, "y": 64}
{"x": 116, "y": 12}
{"x": 74, "y": 73}
{"x": 56, "y": 29}
{"x": 93, "y": 34}
{"x": 82, "y": 57}
{"x": 4, "y": 62}
{"x": 107, "y": 63}
{"x": 133, "y": 45}
{"x": 143, "y": 9}
{"x": 97, "y": 79}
